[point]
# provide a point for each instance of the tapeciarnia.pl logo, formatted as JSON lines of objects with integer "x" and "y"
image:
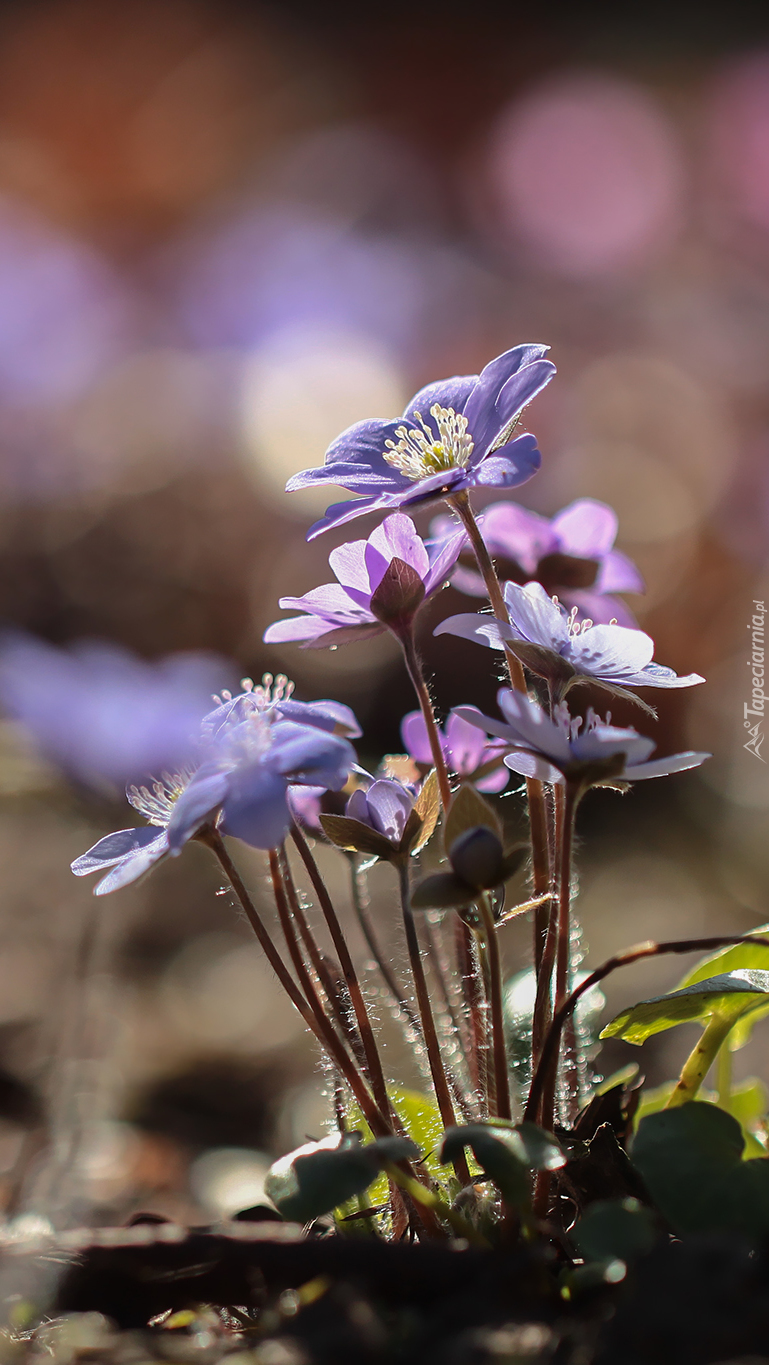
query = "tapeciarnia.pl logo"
{"x": 756, "y": 706}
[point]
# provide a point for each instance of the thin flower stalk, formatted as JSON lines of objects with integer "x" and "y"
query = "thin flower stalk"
{"x": 325, "y": 1034}
{"x": 437, "y": 1070}
{"x": 340, "y": 1009}
{"x": 414, "y": 668}
{"x": 501, "y": 1090}
{"x": 534, "y": 789}
{"x": 349, "y": 973}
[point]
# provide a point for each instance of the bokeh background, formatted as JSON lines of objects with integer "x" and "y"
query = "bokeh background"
{"x": 227, "y": 231}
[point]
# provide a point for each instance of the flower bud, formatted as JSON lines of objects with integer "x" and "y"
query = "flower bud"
{"x": 477, "y": 857}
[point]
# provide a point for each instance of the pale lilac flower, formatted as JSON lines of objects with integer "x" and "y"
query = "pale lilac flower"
{"x": 467, "y": 752}
{"x": 381, "y": 583}
{"x": 384, "y": 806}
{"x": 102, "y": 714}
{"x": 455, "y": 434}
{"x": 567, "y": 748}
{"x": 572, "y": 555}
{"x": 557, "y": 647}
{"x": 241, "y": 787}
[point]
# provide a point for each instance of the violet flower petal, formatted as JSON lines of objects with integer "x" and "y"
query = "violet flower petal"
{"x": 504, "y": 387}
{"x": 113, "y": 848}
{"x": 414, "y": 736}
{"x": 134, "y": 866}
{"x": 586, "y": 528}
{"x": 256, "y": 808}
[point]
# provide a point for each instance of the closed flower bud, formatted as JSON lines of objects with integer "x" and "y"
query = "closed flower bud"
{"x": 477, "y": 857}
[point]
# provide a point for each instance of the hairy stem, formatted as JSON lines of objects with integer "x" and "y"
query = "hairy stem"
{"x": 414, "y": 668}
{"x": 325, "y": 1034}
{"x": 502, "y": 1108}
{"x": 320, "y": 966}
{"x": 700, "y": 1060}
{"x": 440, "y": 1083}
{"x": 535, "y": 791}
{"x": 373, "y": 1060}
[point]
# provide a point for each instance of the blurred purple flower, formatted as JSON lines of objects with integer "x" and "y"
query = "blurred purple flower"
{"x": 455, "y": 434}
{"x": 466, "y": 750}
{"x": 555, "y": 646}
{"x": 100, "y": 713}
{"x": 382, "y": 582}
{"x": 242, "y": 787}
{"x": 572, "y": 555}
{"x": 567, "y": 748}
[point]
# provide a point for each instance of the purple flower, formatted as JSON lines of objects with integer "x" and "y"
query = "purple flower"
{"x": 555, "y": 646}
{"x": 385, "y": 807}
{"x": 100, "y": 713}
{"x": 564, "y": 748}
{"x": 466, "y": 750}
{"x": 241, "y": 786}
{"x": 572, "y": 556}
{"x": 454, "y": 435}
{"x": 381, "y": 584}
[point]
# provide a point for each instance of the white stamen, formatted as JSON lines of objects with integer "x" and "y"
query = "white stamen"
{"x": 417, "y": 454}
{"x": 156, "y": 802}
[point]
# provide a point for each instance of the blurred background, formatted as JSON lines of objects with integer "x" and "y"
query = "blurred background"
{"x": 227, "y": 231}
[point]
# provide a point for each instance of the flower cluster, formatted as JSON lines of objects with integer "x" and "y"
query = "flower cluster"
{"x": 259, "y": 764}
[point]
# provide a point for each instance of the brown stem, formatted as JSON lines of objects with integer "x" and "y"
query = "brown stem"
{"x": 534, "y": 789}
{"x": 416, "y": 675}
{"x": 348, "y": 971}
{"x": 325, "y": 1034}
{"x": 566, "y": 841}
{"x": 319, "y": 964}
{"x": 440, "y": 1084}
{"x": 638, "y": 953}
{"x": 502, "y": 1108}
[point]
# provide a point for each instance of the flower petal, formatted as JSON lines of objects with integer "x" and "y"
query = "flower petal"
{"x": 355, "y": 460}
{"x": 326, "y": 714}
{"x": 660, "y": 767}
{"x": 504, "y": 387}
{"x": 536, "y": 617}
{"x": 256, "y": 809}
{"x": 134, "y": 866}
{"x": 465, "y": 742}
{"x": 612, "y": 652}
{"x": 448, "y": 393}
{"x": 517, "y": 533}
{"x": 482, "y": 630}
{"x": 414, "y": 736}
{"x": 389, "y": 807}
{"x": 195, "y": 806}
{"x": 533, "y": 765}
{"x": 532, "y": 725}
{"x": 330, "y": 600}
{"x": 619, "y": 574}
{"x": 511, "y": 465}
{"x": 113, "y": 847}
{"x": 586, "y": 528}
{"x": 396, "y": 538}
{"x": 305, "y": 754}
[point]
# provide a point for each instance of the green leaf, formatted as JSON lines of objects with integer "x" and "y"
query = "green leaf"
{"x": 610, "y": 1228}
{"x": 730, "y": 994}
{"x": 469, "y": 810}
{"x": 320, "y": 1176}
{"x": 506, "y": 1154}
{"x": 422, "y": 1120}
{"x": 691, "y": 1161}
{"x": 356, "y": 837}
{"x": 736, "y": 958}
{"x": 442, "y": 891}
